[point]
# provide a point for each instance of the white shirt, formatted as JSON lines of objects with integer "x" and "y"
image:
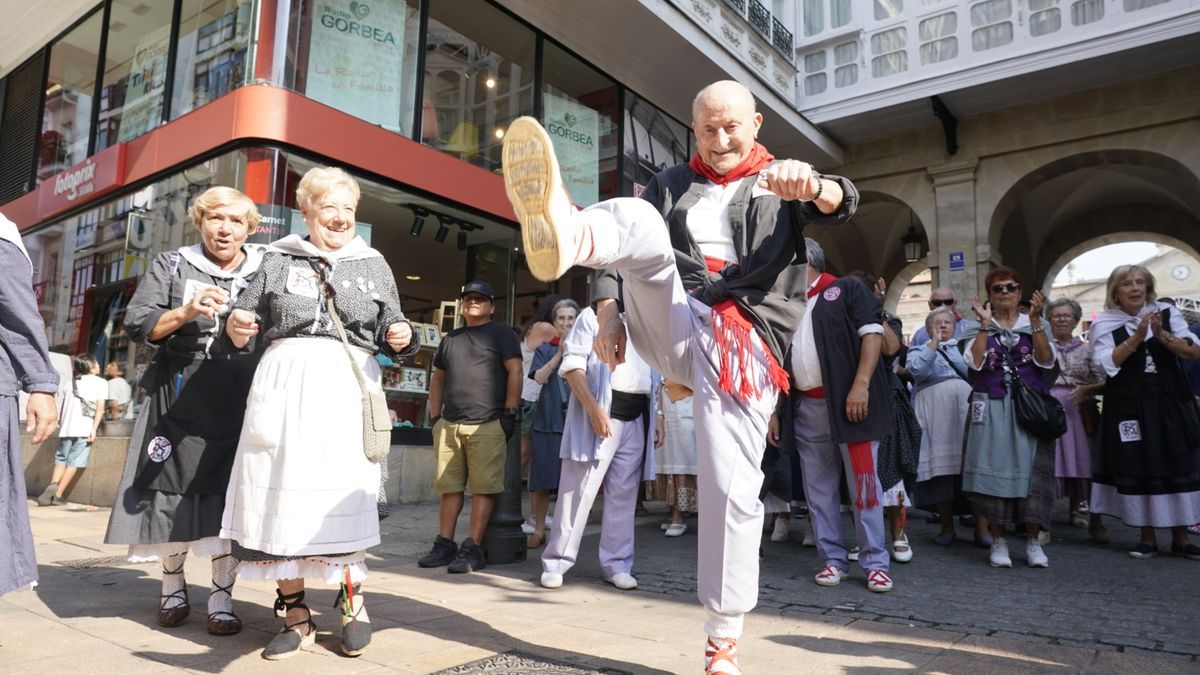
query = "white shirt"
{"x": 632, "y": 376}
{"x": 708, "y": 221}
{"x": 1102, "y": 350}
{"x": 75, "y": 424}
{"x": 120, "y": 391}
{"x": 806, "y": 363}
{"x": 530, "y": 388}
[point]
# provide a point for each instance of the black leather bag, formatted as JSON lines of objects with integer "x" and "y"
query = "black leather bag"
{"x": 1039, "y": 414}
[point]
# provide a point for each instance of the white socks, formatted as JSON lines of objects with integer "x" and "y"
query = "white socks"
{"x": 224, "y": 574}
{"x": 173, "y": 581}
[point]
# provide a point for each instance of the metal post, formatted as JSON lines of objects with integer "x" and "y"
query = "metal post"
{"x": 504, "y": 542}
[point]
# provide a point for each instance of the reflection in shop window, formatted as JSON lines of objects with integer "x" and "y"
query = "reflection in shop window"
{"x": 360, "y": 58}
{"x": 135, "y": 72}
{"x": 67, "y": 109}
{"x": 653, "y": 142}
{"x": 1134, "y": 5}
{"x": 211, "y": 59}
{"x": 580, "y": 108}
{"x": 478, "y": 78}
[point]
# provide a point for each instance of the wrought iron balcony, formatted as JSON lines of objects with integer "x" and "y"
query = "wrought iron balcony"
{"x": 759, "y": 18}
{"x": 782, "y": 38}
{"x": 739, "y": 5}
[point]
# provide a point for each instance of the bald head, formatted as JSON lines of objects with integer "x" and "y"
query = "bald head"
{"x": 726, "y": 125}
{"x": 725, "y": 94}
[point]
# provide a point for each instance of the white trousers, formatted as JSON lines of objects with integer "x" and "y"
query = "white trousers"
{"x": 579, "y": 482}
{"x": 673, "y": 333}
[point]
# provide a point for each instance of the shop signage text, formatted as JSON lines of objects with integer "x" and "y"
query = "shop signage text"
{"x": 96, "y": 175}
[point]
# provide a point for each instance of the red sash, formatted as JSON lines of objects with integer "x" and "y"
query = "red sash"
{"x": 734, "y": 332}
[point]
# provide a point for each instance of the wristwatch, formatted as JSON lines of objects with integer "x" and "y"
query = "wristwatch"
{"x": 512, "y": 412}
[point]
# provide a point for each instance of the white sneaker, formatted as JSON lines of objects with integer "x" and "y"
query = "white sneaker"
{"x": 999, "y": 555}
{"x": 527, "y": 526}
{"x": 1034, "y": 554}
{"x": 676, "y": 529}
{"x": 551, "y": 580}
{"x": 852, "y": 554}
{"x": 535, "y": 188}
{"x": 780, "y": 533}
{"x": 623, "y": 581}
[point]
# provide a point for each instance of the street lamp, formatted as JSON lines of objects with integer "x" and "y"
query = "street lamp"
{"x": 912, "y": 242}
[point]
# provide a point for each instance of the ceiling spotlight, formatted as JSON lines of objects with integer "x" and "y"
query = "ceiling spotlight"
{"x": 443, "y": 230}
{"x": 490, "y": 82}
{"x": 462, "y": 240}
{"x": 499, "y": 132}
{"x": 419, "y": 215}
{"x": 413, "y": 277}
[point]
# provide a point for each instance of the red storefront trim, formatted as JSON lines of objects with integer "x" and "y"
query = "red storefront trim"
{"x": 279, "y": 116}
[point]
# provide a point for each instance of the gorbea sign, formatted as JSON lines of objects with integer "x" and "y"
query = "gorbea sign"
{"x": 574, "y": 129}
{"x": 96, "y": 175}
{"x": 356, "y": 58}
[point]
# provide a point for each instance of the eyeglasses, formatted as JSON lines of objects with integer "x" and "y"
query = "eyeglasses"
{"x": 1010, "y": 287}
{"x": 942, "y": 303}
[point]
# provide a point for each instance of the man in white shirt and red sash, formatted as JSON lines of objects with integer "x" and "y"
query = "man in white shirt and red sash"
{"x": 700, "y": 254}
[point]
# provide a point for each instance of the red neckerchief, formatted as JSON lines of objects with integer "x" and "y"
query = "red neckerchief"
{"x": 821, "y": 284}
{"x": 733, "y": 331}
{"x": 861, "y": 461}
{"x": 554, "y": 341}
{"x": 756, "y": 161}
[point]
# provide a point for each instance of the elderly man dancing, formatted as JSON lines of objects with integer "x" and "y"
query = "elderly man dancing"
{"x": 700, "y": 255}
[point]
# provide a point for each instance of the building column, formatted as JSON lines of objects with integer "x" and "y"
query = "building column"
{"x": 957, "y": 234}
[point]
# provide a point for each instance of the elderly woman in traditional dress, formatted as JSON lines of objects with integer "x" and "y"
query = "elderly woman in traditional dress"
{"x": 1007, "y": 471}
{"x": 172, "y": 491}
{"x": 941, "y": 402}
{"x": 302, "y": 499}
{"x": 1148, "y": 467}
{"x": 1080, "y": 378}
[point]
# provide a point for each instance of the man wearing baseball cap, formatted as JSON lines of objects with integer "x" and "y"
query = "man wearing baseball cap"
{"x": 473, "y": 397}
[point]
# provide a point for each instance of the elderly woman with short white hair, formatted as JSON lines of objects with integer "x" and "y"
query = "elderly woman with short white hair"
{"x": 172, "y": 491}
{"x": 302, "y": 500}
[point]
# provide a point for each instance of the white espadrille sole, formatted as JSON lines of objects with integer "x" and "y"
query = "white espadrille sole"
{"x": 534, "y": 187}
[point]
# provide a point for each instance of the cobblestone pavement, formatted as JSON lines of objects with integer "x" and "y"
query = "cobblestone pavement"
{"x": 1091, "y": 596}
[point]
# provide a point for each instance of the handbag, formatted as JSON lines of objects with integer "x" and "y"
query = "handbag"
{"x": 376, "y": 422}
{"x": 1039, "y": 414}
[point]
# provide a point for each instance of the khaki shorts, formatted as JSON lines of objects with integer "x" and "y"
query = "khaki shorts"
{"x": 469, "y": 456}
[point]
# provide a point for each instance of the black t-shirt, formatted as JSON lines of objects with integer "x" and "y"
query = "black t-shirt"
{"x": 476, "y": 379}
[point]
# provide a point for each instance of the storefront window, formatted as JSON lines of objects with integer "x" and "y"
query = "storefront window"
{"x": 580, "y": 108}
{"x": 653, "y": 142}
{"x": 479, "y": 65}
{"x": 67, "y": 116}
{"x": 135, "y": 72}
{"x": 210, "y": 61}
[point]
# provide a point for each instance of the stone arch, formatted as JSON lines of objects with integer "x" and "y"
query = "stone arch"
{"x": 1056, "y": 206}
{"x": 870, "y": 241}
{"x": 1115, "y": 238}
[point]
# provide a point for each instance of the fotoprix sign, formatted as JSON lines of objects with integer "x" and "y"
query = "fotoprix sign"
{"x": 96, "y": 175}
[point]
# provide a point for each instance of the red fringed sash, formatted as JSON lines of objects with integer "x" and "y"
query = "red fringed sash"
{"x": 734, "y": 334}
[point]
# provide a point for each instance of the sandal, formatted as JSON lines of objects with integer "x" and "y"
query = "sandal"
{"x": 356, "y": 635}
{"x": 176, "y": 615}
{"x": 221, "y": 622}
{"x": 535, "y": 540}
{"x": 290, "y": 640}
